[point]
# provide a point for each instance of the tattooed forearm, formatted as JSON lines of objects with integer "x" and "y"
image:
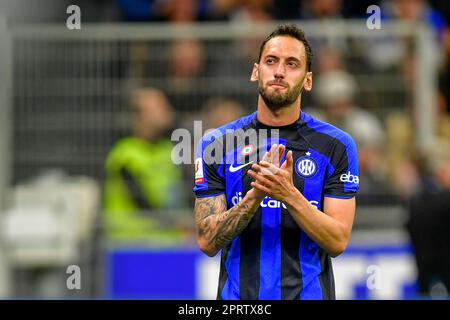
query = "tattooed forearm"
{"x": 231, "y": 223}
{"x": 217, "y": 226}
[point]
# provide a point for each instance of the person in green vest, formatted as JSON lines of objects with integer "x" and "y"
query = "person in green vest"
{"x": 142, "y": 183}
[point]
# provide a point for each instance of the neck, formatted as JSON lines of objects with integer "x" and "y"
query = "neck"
{"x": 145, "y": 134}
{"x": 282, "y": 117}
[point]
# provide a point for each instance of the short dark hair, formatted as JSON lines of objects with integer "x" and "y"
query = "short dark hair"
{"x": 290, "y": 30}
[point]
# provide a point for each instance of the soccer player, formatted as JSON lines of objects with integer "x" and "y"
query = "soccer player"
{"x": 277, "y": 225}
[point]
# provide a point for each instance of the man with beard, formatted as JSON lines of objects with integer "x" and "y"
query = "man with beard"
{"x": 277, "y": 225}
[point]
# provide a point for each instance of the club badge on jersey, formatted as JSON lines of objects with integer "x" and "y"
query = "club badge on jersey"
{"x": 306, "y": 166}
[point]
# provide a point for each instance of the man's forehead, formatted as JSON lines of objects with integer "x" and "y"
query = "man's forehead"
{"x": 285, "y": 46}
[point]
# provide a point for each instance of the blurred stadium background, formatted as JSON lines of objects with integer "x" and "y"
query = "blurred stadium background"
{"x": 65, "y": 102}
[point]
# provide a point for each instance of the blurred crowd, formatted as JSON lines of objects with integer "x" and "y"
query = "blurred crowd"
{"x": 341, "y": 94}
{"x": 392, "y": 164}
{"x": 265, "y": 10}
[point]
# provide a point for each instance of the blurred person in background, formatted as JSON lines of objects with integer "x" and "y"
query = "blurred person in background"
{"x": 336, "y": 91}
{"x": 444, "y": 8}
{"x": 140, "y": 175}
{"x": 443, "y": 115}
{"x": 298, "y": 9}
{"x": 322, "y": 9}
{"x": 429, "y": 223}
{"x": 218, "y": 111}
{"x": 178, "y": 11}
{"x": 237, "y": 57}
{"x": 407, "y": 162}
{"x": 184, "y": 78}
{"x": 251, "y": 11}
{"x": 186, "y": 63}
{"x": 242, "y": 10}
{"x": 323, "y": 12}
{"x": 415, "y": 11}
{"x": 387, "y": 52}
{"x": 407, "y": 177}
{"x": 329, "y": 60}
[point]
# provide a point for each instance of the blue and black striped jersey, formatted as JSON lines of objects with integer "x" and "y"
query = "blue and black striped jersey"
{"x": 273, "y": 258}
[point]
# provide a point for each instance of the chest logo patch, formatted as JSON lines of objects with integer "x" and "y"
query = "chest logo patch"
{"x": 247, "y": 150}
{"x": 306, "y": 166}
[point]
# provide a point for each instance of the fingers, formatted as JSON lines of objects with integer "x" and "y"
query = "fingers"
{"x": 274, "y": 154}
{"x": 266, "y": 168}
{"x": 260, "y": 187}
{"x": 269, "y": 154}
{"x": 277, "y": 153}
{"x": 263, "y": 179}
{"x": 281, "y": 149}
{"x": 288, "y": 162}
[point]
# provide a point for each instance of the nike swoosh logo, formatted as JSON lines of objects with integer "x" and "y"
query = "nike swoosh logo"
{"x": 234, "y": 169}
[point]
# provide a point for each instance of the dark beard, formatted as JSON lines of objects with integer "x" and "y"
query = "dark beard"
{"x": 275, "y": 101}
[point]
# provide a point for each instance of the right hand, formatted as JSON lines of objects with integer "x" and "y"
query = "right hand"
{"x": 272, "y": 156}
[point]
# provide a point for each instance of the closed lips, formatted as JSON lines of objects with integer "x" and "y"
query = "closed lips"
{"x": 278, "y": 84}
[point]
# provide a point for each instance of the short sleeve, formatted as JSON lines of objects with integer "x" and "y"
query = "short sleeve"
{"x": 209, "y": 178}
{"x": 343, "y": 171}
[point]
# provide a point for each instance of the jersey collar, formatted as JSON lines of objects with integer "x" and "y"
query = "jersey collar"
{"x": 300, "y": 122}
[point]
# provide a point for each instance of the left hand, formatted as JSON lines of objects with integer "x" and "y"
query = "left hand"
{"x": 276, "y": 182}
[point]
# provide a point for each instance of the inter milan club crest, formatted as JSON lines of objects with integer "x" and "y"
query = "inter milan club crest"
{"x": 247, "y": 150}
{"x": 306, "y": 166}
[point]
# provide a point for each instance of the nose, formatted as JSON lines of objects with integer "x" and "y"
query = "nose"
{"x": 280, "y": 71}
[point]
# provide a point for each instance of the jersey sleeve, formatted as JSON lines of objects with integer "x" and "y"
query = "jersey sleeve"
{"x": 343, "y": 171}
{"x": 209, "y": 178}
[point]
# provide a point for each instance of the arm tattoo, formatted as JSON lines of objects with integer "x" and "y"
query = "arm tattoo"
{"x": 217, "y": 225}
